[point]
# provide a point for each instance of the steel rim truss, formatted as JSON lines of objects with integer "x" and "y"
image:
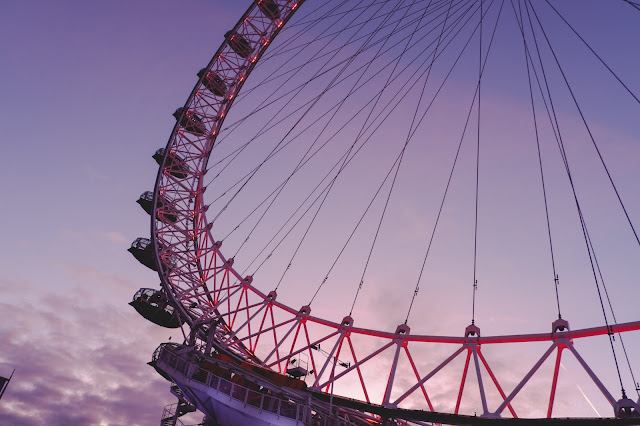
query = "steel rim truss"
{"x": 226, "y": 312}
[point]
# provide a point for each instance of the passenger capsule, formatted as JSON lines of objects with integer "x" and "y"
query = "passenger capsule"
{"x": 239, "y": 44}
{"x": 190, "y": 122}
{"x": 213, "y": 82}
{"x": 166, "y": 212}
{"x": 146, "y": 201}
{"x": 142, "y": 249}
{"x": 154, "y": 306}
{"x": 270, "y": 9}
{"x": 174, "y": 164}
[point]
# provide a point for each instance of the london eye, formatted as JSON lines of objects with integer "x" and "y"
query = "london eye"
{"x": 403, "y": 212}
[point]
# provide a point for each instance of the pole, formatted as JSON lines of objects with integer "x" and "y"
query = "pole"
{"x": 4, "y": 383}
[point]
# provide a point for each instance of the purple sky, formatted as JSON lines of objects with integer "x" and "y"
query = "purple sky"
{"x": 86, "y": 97}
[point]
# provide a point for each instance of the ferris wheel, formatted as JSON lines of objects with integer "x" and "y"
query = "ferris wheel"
{"x": 423, "y": 168}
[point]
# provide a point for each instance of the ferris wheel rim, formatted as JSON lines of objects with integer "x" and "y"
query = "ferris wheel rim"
{"x": 165, "y": 269}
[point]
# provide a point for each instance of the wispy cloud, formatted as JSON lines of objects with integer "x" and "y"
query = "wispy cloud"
{"x": 90, "y": 274}
{"x": 67, "y": 234}
{"x": 79, "y": 363}
{"x": 114, "y": 237}
{"x": 94, "y": 174}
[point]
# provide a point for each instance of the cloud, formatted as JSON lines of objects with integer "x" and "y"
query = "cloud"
{"x": 79, "y": 363}
{"x": 90, "y": 274}
{"x": 95, "y": 174}
{"x": 10, "y": 286}
{"x": 114, "y": 237}
{"x": 66, "y": 234}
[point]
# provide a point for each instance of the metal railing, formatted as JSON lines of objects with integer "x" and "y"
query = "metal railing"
{"x": 168, "y": 416}
{"x": 259, "y": 399}
{"x": 262, "y": 399}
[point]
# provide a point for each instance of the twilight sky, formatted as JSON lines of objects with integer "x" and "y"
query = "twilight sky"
{"x": 86, "y": 97}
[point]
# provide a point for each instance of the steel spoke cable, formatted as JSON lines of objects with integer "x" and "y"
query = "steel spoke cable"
{"x": 446, "y": 190}
{"x": 307, "y": 110}
{"x": 594, "y": 52}
{"x": 595, "y": 145}
{"x": 546, "y": 94}
{"x": 537, "y": 136}
{"x": 361, "y": 132}
{"x": 386, "y": 204}
{"x": 396, "y": 165}
{"x": 296, "y": 69}
{"x": 363, "y": 85}
{"x": 287, "y": 222}
{"x": 385, "y": 116}
{"x": 307, "y": 44}
{"x": 592, "y": 260}
{"x": 587, "y": 128}
{"x": 344, "y": 125}
{"x": 335, "y": 178}
{"x": 335, "y": 110}
{"x": 284, "y": 38}
{"x": 384, "y": 119}
{"x": 475, "y": 226}
{"x": 312, "y": 101}
{"x": 577, "y": 107}
{"x": 411, "y": 129}
{"x": 318, "y": 55}
{"x": 302, "y": 164}
{"x": 450, "y": 70}
{"x": 297, "y": 90}
{"x": 375, "y": 196}
{"x": 318, "y": 74}
{"x": 550, "y": 109}
{"x": 329, "y": 16}
{"x": 335, "y": 14}
{"x": 591, "y": 252}
{"x": 318, "y": 197}
{"x": 323, "y": 114}
{"x": 633, "y": 4}
{"x": 291, "y": 217}
{"x": 325, "y": 34}
{"x": 444, "y": 81}
{"x": 300, "y": 19}
{"x": 528, "y": 7}
{"x": 613, "y": 315}
{"x": 307, "y": 160}
{"x": 329, "y": 53}
{"x": 308, "y": 102}
{"x": 553, "y": 116}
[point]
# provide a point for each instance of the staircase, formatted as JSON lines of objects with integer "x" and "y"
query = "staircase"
{"x": 172, "y": 413}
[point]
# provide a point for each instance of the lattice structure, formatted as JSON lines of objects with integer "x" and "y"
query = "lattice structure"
{"x": 228, "y": 314}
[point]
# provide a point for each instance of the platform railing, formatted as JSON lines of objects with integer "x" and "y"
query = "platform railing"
{"x": 168, "y": 416}
{"x": 260, "y": 399}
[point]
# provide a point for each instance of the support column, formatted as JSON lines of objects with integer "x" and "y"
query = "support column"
{"x": 401, "y": 331}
